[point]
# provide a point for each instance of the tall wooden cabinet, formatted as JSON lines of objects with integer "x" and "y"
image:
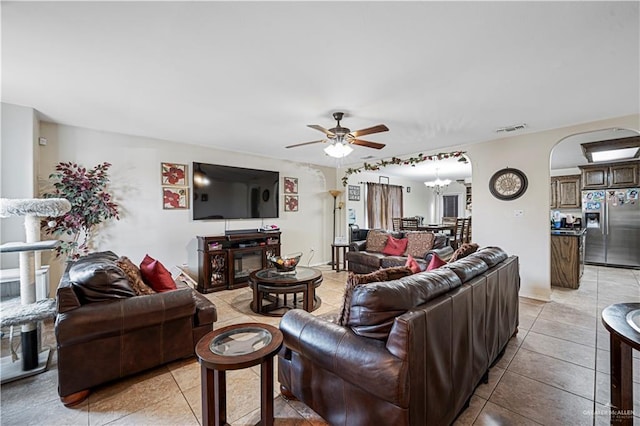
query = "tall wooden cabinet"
{"x": 225, "y": 261}
{"x": 565, "y": 192}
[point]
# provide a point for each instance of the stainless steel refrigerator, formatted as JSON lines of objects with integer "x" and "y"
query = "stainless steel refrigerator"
{"x": 612, "y": 219}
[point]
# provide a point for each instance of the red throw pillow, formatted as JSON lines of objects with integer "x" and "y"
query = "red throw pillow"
{"x": 412, "y": 264}
{"x": 435, "y": 263}
{"x": 156, "y": 275}
{"x": 395, "y": 246}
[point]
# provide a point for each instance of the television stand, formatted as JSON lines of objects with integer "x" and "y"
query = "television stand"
{"x": 226, "y": 261}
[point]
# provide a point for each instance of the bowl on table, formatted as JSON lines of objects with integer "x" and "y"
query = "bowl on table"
{"x": 286, "y": 263}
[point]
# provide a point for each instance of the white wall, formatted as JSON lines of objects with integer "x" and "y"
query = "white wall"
{"x": 170, "y": 235}
{"x": 17, "y": 177}
{"x": 494, "y": 222}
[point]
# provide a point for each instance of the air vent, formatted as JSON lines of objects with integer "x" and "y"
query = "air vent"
{"x": 368, "y": 157}
{"x": 513, "y": 128}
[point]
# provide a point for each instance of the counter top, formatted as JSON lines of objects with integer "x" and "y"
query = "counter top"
{"x": 569, "y": 232}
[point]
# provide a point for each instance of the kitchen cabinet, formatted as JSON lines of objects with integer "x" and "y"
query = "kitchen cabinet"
{"x": 611, "y": 175}
{"x": 567, "y": 257}
{"x": 565, "y": 192}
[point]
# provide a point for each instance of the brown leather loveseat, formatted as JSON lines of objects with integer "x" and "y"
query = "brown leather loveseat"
{"x": 364, "y": 257}
{"x": 104, "y": 332}
{"x": 413, "y": 349}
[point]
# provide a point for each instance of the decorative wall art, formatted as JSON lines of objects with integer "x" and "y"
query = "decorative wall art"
{"x": 354, "y": 193}
{"x": 175, "y": 198}
{"x": 174, "y": 174}
{"x": 290, "y": 185}
{"x": 290, "y": 203}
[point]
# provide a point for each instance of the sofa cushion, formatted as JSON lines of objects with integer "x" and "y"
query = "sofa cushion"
{"x": 156, "y": 275}
{"x": 413, "y": 265}
{"x": 435, "y": 262}
{"x": 374, "y": 307}
{"x": 97, "y": 278}
{"x": 463, "y": 251}
{"x": 490, "y": 255}
{"x": 467, "y": 268}
{"x": 134, "y": 276}
{"x": 354, "y": 280}
{"x": 376, "y": 240}
{"x": 366, "y": 258}
{"x": 395, "y": 246}
{"x": 419, "y": 243}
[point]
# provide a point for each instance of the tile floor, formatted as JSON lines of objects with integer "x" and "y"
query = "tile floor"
{"x": 554, "y": 372}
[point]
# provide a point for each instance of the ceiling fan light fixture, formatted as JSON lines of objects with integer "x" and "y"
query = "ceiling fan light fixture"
{"x": 338, "y": 150}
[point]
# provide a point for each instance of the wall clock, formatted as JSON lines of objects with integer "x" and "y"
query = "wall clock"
{"x": 508, "y": 184}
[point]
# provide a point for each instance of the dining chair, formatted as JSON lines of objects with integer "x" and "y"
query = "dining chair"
{"x": 448, "y": 220}
{"x": 409, "y": 223}
{"x": 397, "y": 223}
{"x": 457, "y": 237}
{"x": 467, "y": 230}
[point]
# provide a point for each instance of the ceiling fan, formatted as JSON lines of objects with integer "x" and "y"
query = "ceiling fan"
{"x": 344, "y": 136}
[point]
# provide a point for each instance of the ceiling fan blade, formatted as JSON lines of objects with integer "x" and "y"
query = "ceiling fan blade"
{"x": 368, "y": 144}
{"x": 322, "y": 129}
{"x": 305, "y": 143}
{"x": 369, "y": 130}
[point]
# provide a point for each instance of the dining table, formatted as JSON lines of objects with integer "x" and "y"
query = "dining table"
{"x": 438, "y": 227}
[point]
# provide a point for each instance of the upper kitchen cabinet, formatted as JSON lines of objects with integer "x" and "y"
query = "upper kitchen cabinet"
{"x": 565, "y": 192}
{"x": 610, "y": 175}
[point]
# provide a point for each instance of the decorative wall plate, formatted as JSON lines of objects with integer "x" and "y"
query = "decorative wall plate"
{"x": 508, "y": 184}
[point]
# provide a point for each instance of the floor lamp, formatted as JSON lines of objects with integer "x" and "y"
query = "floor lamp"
{"x": 334, "y": 193}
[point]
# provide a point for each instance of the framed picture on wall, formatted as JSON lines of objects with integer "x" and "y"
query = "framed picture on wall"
{"x": 174, "y": 174}
{"x": 290, "y": 185}
{"x": 354, "y": 193}
{"x": 175, "y": 198}
{"x": 290, "y": 203}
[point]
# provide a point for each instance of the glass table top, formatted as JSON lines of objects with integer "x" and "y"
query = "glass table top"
{"x": 300, "y": 273}
{"x": 240, "y": 341}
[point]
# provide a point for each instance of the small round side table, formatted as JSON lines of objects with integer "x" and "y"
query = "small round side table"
{"x": 235, "y": 347}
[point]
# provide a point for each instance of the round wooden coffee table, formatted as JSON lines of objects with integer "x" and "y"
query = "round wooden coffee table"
{"x": 274, "y": 292}
{"x": 232, "y": 348}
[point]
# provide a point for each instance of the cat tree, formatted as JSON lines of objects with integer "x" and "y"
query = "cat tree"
{"x": 29, "y": 311}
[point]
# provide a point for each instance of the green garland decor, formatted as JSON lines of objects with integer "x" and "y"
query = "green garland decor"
{"x": 411, "y": 161}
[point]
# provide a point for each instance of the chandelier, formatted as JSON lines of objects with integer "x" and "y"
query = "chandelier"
{"x": 439, "y": 184}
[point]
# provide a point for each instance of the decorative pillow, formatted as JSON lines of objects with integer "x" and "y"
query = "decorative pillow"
{"x": 354, "y": 280}
{"x": 156, "y": 275}
{"x": 97, "y": 278}
{"x": 135, "y": 277}
{"x": 435, "y": 263}
{"x": 464, "y": 250}
{"x": 376, "y": 240}
{"x": 413, "y": 265}
{"x": 395, "y": 246}
{"x": 419, "y": 243}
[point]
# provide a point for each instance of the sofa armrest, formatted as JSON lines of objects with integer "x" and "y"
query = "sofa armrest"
{"x": 113, "y": 318}
{"x": 443, "y": 253}
{"x": 338, "y": 350}
{"x": 358, "y": 245}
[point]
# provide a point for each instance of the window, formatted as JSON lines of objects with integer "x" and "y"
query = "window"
{"x": 450, "y": 205}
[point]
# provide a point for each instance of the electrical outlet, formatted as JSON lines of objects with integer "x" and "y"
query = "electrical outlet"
{"x": 518, "y": 213}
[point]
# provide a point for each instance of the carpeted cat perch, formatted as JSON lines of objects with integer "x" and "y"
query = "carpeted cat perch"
{"x": 32, "y": 210}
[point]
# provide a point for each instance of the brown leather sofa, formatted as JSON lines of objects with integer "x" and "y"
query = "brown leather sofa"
{"x": 362, "y": 261}
{"x": 100, "y": 341}
{"x": 414, "y": 349}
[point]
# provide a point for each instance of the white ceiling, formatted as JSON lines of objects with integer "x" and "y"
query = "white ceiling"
{"x": 249, "y": 76}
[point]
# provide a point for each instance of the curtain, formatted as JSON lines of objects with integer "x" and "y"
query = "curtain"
{"x": 384, "y": 202}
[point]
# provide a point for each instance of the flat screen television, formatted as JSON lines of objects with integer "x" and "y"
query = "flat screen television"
{"x": 225, "y": 192}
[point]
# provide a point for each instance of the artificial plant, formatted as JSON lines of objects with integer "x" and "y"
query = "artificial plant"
{"x": 91, "y": 205}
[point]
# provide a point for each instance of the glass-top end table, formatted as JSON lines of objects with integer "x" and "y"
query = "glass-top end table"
{"x": 240, "y": 341}
{"x": 235, "y": 347}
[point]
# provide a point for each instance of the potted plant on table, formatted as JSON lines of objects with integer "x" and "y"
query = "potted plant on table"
{"x": 91, "y": 205}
